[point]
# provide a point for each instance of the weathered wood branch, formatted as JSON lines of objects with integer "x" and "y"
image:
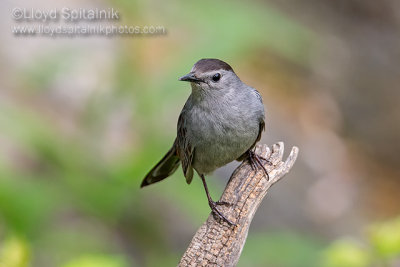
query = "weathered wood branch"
{"x": 215, "y": 242}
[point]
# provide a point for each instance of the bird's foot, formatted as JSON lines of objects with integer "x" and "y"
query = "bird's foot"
{"x": 223, "y": 203}
{"x": 213, "y": 206}
{"x": 256, "y": 160}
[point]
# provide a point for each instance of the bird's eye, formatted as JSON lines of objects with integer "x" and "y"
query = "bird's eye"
{"x": 216, "y": 77}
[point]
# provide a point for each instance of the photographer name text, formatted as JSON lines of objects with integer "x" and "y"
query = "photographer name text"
{"x": 65, "y": 13}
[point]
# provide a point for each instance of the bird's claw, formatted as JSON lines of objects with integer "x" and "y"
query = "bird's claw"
{"x": 223, "y": 203}
{"x": 214, "y": 209}
{"x": 255, "y": 160}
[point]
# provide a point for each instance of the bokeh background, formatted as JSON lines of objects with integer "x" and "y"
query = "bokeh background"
{"x": 83, "y": 119}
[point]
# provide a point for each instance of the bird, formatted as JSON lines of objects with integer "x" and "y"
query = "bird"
{"x": 221, "y": 121}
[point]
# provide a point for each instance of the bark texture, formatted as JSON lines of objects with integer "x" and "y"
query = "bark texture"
{"x": 216, "y": 243}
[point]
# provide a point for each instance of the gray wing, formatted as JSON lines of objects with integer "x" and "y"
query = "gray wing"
{"x": 184, "y": 149}
{"x": 262, "y": 120}
{"x": 261, "y": 128}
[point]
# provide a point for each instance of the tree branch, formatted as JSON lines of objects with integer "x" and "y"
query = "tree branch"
{"x": 215, "y": 242}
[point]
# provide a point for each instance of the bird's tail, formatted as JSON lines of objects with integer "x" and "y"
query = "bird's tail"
{"x": 167, "y": 166}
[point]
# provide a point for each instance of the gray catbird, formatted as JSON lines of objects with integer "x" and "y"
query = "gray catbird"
{"x": 221, "y": 121}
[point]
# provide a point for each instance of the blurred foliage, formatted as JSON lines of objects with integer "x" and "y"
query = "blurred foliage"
{"x": 383, "y": 248}
{"x": 273, "y": 249}
{"x": 97, "y": 261}
{"x": 15, "y": 252}
{"x": 385, "y": 239}
{"x": 346, "y": 253}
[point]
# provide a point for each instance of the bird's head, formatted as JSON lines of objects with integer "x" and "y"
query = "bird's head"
{"x": 211, "y": 74}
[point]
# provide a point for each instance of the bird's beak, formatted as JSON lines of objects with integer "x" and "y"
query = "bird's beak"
{"x": 190, "y": 78}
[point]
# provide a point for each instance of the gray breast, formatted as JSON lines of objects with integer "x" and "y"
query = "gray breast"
{"x": 222, "y": 134}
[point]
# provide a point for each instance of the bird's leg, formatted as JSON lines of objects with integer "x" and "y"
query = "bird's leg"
{"x": 213, "y": 204}
{"x": 252, "y": 162}
{"x": 255, "y": 160}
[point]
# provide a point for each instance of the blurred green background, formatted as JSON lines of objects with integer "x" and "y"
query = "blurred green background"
{"x": 82, "y": 120}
